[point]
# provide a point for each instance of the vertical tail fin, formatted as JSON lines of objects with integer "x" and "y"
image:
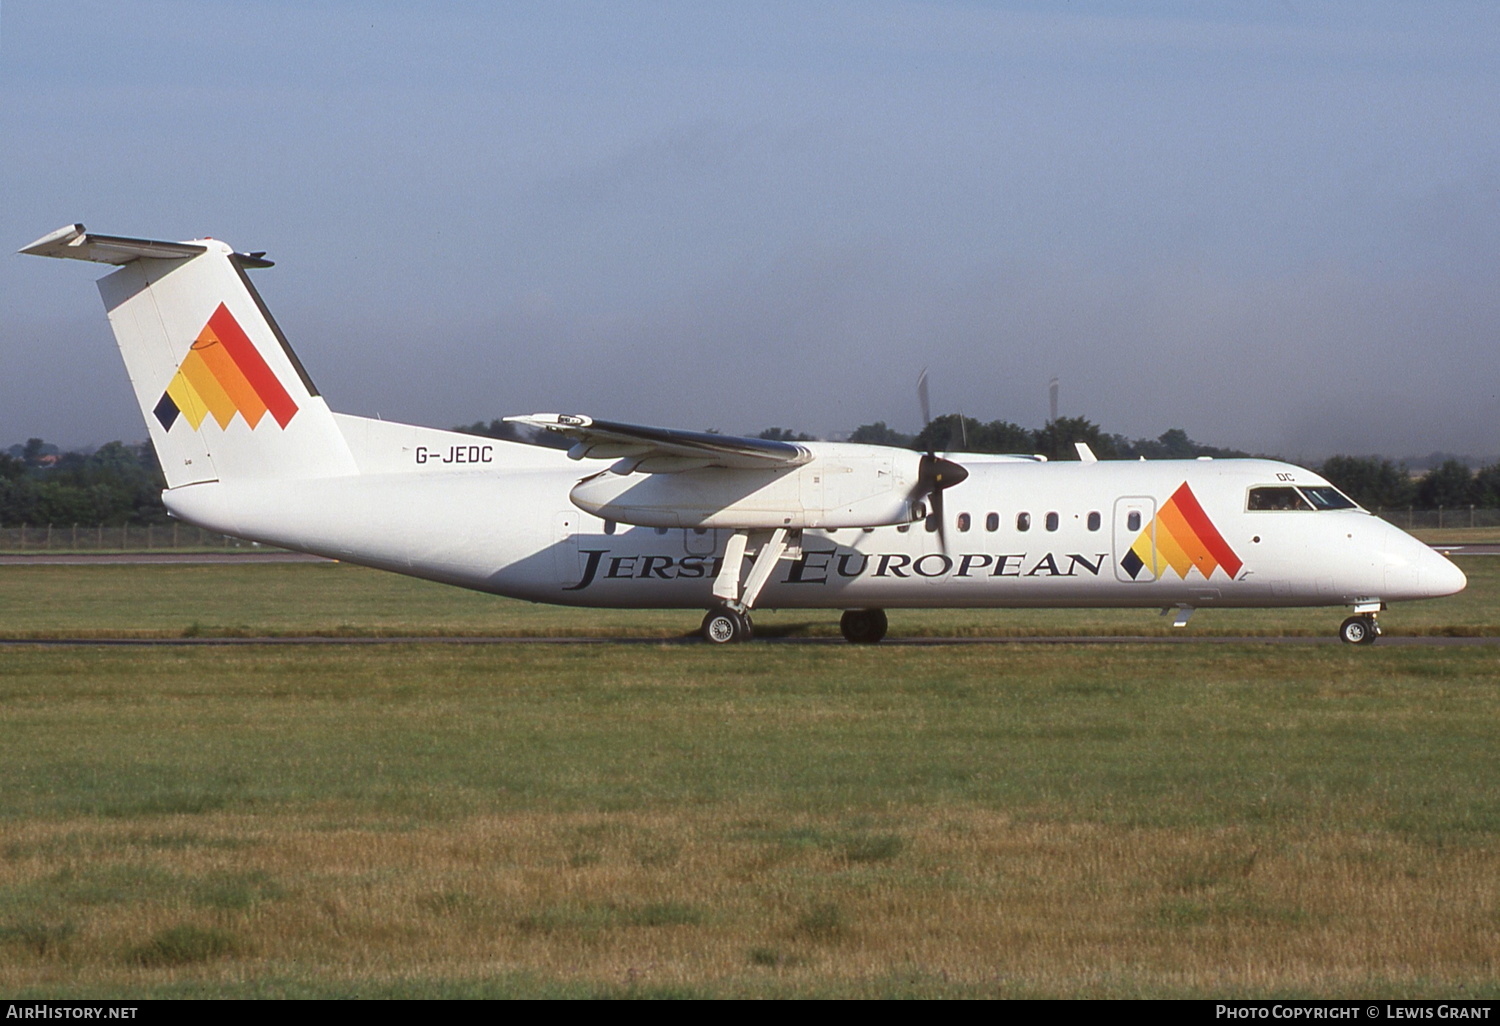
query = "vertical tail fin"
{"x": 223, "y": 395}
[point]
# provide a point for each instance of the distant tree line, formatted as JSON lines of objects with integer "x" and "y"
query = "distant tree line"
{"x": 1055, "y": 440}
{"x": 121, "y": 483}
{"x": 1377, "y": 483}
{"x": 115, "y": 484}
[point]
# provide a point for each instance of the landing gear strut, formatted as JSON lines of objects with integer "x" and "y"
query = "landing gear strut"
{"x": 863, "y": 626}
{"x": 730, "y": 620}
{"x": 1359, "y": 630}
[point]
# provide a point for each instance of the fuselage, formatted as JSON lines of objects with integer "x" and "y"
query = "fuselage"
{"x": 497, "y": 517}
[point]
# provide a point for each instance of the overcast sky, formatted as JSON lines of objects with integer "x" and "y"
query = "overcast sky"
{"x": 1275, "y": 225}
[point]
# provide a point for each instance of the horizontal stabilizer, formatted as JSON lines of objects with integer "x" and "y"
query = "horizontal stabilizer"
{"x": 75, "y": 243}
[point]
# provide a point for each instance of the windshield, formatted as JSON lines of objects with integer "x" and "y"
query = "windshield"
{"x": 1276, "y": 498}
{"x": 1306, "y": 499}
{"x": 1328, "y": 497}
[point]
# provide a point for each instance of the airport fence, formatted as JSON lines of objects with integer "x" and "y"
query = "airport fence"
{"x": 118, "y": 538}
{"x": 1441, "y": 518}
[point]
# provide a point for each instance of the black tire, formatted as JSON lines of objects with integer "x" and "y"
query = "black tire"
{"x": 724, "y": 626}
{"x": 863, "y": 626}
{"x": 1359, "y": 630}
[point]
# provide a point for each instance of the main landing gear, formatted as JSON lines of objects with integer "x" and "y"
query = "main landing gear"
{"x": 863, "y": 626}
{"x": 723, "y": 626}
{"x": 1361, "y": 629}
{"x": 730, "y": 620}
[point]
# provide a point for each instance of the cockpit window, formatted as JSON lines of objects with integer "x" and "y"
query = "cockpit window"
{"x": 1327, "y": 497}
{"x": 1276, "y": 498}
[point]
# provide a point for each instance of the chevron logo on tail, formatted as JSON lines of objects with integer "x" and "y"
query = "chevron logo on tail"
{"x": 223, "y": 375}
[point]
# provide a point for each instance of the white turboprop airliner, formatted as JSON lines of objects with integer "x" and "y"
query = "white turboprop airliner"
{"x": 644, "y": 517}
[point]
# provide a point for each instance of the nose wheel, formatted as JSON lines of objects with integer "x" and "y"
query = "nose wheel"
{"x": 1359, "y": 630}
{"x": 723, "y": 626}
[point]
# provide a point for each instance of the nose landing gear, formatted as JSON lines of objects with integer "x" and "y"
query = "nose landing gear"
{"x": 1359, "y": 630}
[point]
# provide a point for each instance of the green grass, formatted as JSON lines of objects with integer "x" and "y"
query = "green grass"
{"x": 332, "y": 599}
{"x": 420, "y": 820}
{"x": 435, "y": 733}
{"x": 666, "y": 820}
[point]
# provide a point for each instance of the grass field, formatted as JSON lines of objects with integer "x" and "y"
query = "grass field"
{"x": 657, "y": 820}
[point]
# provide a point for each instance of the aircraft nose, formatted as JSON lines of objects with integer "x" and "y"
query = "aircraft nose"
{"x": 1438, "y": 576}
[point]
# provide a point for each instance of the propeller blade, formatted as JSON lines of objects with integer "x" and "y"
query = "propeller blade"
{"x": 922, "y": 398}
{"x": 934, "y": 473}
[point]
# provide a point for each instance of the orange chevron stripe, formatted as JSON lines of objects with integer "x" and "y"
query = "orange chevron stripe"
{"x": 1186, "y": 503}
{"x": 229, "y": 376}
{"x": 1169, "y": 548}
{"x": 1186, "y": 538}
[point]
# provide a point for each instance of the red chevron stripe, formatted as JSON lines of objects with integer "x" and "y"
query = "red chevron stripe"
{"x": 252, "y": 365}
{"x": 1208, "y": 535}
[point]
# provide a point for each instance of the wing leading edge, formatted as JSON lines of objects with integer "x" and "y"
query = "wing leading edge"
{"x": 664, "y": 450}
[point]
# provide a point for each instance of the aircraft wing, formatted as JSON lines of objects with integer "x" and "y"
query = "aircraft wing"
{"x": 665, "y": 450}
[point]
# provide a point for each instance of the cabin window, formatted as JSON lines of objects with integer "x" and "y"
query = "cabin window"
{"x": 1023, "y": 521}
{"x": 992, "y": 522}
{"x": 932, "y": 522}
{"x": 609, "y": 527}
{"x": 1095, "y": 520}
{"x": 1051, "y": 521}
{"x": 903, "y": 528}
{"x": 963, "y": 521}
{"x": 1276, "y": 498}
{"x": 1133, "y": 521}
{"x": 1328, "y": 497}
{"x": 661, "y": 530}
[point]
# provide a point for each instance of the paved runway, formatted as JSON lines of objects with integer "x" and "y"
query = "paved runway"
{"x": 1388, "y": 640}
{"x": 109, "y": 558}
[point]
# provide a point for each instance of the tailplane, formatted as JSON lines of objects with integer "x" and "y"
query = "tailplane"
{"x": 223, "y": 395}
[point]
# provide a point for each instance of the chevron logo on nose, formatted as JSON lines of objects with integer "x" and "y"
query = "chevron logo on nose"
{"x": 1184, "y": 539}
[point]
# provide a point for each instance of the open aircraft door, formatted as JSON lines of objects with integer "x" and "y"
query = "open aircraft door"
{"x": 1135, "y": 539}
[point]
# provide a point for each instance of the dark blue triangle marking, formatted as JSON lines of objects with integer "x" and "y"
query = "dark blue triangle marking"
{"x": 166, "y": 411}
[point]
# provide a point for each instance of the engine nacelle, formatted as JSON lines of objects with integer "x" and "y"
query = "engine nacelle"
{"x": 843, "y": 485}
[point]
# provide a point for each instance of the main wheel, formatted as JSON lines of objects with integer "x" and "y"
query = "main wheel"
{"x": 723, "y": 625}
{"x": 863, "y": 626}
{"x": 1359, "y": 630}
